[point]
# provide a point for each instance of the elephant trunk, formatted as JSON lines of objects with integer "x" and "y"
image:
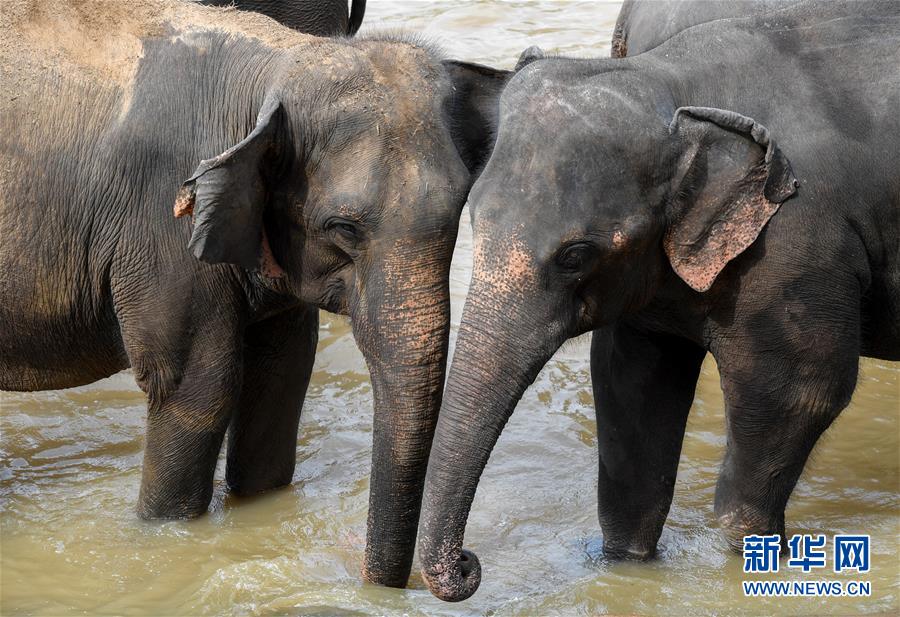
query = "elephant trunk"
{"x": 498, "y": 355}
{"x": 402, "y": 326}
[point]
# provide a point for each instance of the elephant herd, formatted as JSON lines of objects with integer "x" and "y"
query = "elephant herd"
{"x": 183, "y": 187}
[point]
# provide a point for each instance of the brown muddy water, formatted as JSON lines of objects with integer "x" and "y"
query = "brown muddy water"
{"x": 70, "y": 469}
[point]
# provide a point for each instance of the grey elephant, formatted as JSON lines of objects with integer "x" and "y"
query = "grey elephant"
{"x": 733, "y": 191}
{"x": 318, "y": 17}
{"x": 645, "y": 24}
{"x": 304, "y": 173}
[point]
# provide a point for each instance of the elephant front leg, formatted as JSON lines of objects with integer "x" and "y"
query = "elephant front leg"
{"x": 186, "y": 425}
{"x": 643, "y": 389}
{"x": 777, "y": 406}
{"x": 262, "y": 440}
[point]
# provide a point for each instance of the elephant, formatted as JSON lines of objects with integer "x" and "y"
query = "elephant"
{"x": 645, "y": 24}
{"x": 181, "y": 194}
{"x": 733, "y": 191}
{"x": 318, "y": 17}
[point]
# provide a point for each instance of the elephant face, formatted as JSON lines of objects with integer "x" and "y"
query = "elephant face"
{"x": 597, "y": 192}
{"x": 347, "y": 195}
{"x": 381, "y": 200}
{"x": 595, "y": 201}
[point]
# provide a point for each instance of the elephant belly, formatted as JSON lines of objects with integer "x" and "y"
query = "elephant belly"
{"x": 41, "y": 356}
{"x": 60, "y": 357}
{"x": 55, "y": 332}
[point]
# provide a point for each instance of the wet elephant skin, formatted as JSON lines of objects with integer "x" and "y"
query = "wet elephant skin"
{"x": 183, "y": 193}
{"x": 727, "y": 192}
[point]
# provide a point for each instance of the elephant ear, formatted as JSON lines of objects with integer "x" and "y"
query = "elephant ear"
{"x": 730, "y": 180}
{"x": 472, "y": 109}
{"x": 528, "y": 56}
{"x": 226, "y": 196}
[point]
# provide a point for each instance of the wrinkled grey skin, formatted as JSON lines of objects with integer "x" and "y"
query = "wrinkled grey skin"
{"x": 318, "y": 17}
{"x": 645, "y": 24}
{"x": 733, "y": 191}
{"x": 331, "y": 175}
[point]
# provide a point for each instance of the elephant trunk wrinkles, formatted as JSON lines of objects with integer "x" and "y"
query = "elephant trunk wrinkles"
{"x": 404, "y": 337}
{"x": 497, "y": 357}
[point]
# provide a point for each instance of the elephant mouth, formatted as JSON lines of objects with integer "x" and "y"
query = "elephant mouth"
{"x": 334, "y": 297}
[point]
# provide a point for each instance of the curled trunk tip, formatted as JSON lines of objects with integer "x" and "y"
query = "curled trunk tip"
{"x": 455, "y": 580}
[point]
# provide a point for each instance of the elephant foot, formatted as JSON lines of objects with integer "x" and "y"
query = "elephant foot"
{"x": 176, "y": 508}
{"x": 746, "y": 520}
{"x": 633, "y": 551}
{"x": 251, "y": 484}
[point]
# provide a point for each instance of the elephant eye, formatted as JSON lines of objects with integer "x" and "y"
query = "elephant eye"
{"x": 575, "y": 257}
{"x": 344, "y": 229}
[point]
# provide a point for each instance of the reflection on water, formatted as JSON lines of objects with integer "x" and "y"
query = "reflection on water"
{"x": 70, "y": 469}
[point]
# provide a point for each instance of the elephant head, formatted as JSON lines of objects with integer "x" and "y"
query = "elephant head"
{"x": 346, "y": 194}
{"x": 599, "y": 191}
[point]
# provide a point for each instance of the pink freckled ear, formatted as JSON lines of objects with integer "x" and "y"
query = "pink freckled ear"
{"x": 619, "y": 239}
{"x": 729, "y": 181}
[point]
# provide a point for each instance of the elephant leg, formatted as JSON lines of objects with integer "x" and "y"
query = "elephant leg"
{"x": 783, "y": 388}
{"x": 181, "y": 324}
{"x": 643, "y": 389}
{"x": 278, "y": 360}
{"x": 187, "y": 417}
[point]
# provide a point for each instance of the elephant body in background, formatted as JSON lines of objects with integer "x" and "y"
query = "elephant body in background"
{"x": 645, "y": 24}
{"x": 733, "y": 191}
{"x": 318, "y": 17}
{"x": 183, "y": 193}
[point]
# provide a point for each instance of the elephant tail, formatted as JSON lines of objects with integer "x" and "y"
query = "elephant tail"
{"x": 357, "y": 11}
